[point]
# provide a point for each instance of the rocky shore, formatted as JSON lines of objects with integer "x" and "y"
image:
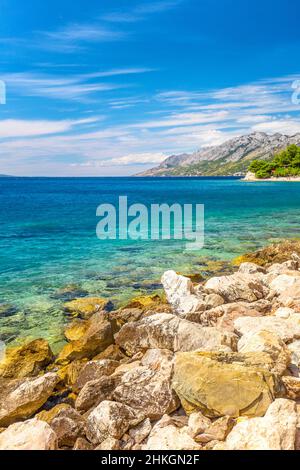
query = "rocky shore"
{"x": 212, "y": 366}
{"x": 250, "y": 177}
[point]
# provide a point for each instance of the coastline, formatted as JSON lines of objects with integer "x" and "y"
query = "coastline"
{"x": 132, "y": 379}
{"x": 250, "y": 178}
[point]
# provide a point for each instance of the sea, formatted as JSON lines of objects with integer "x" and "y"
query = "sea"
{"x": 50, "y": 252}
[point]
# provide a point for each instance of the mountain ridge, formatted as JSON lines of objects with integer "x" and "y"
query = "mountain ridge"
{"x": 228, "y": 159}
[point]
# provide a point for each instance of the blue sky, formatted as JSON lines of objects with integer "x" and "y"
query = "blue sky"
{"x": 112, "y": 87}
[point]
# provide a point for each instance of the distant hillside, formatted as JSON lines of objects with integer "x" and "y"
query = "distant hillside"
{"x": 231, "y": 158}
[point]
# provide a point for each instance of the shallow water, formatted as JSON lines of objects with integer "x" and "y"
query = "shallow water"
{"x": 48, "y": 239}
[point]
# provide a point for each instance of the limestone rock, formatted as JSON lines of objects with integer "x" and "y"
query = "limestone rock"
{"x": 292, "y": 386}
{"x": 275, "y": 431}
{"x": 95, "y": 370}
{"x": 110, "y": 444}
{"x": 217, "y": 431}
{"x": 67, "y": 423}
{"x": 180, "y": 293}
{"x": 28, "y": 435}
{"x": 26, "y": 361}
{"x": 238, "y": 287}
{"x": 224, "y": 315}
{"x": 165, "y": 331}
{"x": 76, "y": 330}
{"x": 86, "y": 307}
{"x": 294, "y": 348}
{"x": 213, "y": 301}
{"x": 147, "y": 388}
{"x": 112, "y": 352}
{"x": 94, "y": 392}
{"x": 267, "y": 342}
{"x": 275, "y": 253}
{"x": 23, "y": 400}
{"x": 288, "y": 330}
{"x": 141, "y": 432}
{"x": 82, "y": 444}
{"x": 198, "y": 423}
{"x": 110, "y": 419}
{"x": 165, "y": 436}
{"x": 224, "y": 384}
{"x": 251, "y": 268}
{"x": 290, "y": 297}
{"x": 283, "y": 282}
{"x": 97, "y": 337}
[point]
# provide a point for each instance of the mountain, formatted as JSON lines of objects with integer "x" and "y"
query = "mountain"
{"x": 231, "y": 158}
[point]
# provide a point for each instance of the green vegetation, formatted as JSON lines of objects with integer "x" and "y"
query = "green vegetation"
{"x": 285, "y": 163}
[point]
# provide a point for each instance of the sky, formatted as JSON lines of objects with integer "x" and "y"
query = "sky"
{"x": 113, "y": 87}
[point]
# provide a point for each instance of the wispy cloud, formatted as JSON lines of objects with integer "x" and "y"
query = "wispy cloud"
{"x": 186, "y": 121}
{"x": 78, "y": 87}
{"x": 75, "y": 36}
{"x": 140, "y": 12}
{"x": 31, "y": 128}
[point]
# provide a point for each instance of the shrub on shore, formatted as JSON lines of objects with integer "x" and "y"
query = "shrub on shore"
{"x": 285, "y": 163}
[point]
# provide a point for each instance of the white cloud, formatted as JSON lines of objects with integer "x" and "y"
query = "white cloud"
{"x": 288, "y": 127}
{"x": 30, "y": 128}
{"x": 184, "y": 122}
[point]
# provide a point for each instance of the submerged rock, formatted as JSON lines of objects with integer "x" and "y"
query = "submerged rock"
{"x": 27, "y": 360}
{"x": 69, "y": 293}
{"x": 86, "y": 307}
{"x": 224, "y": 384}
{"x": 29, "y": 435}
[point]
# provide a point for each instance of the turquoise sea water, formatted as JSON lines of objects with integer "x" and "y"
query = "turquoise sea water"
{"x": 48, "y": 240}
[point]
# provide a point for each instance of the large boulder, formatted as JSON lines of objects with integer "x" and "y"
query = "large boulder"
{"x": 286, "y": 329}
{"x": 224, "y": 384}
{"x": 29, "y": 435}
{"x": 95, "y": 391}
{"x": 180, "y": 293}
{"x": 94, "y": 370}
{"x": 86, "y": 307}
{"x": 21, "y": 400}
{"x": 147, "y": 389}
{"x": 275, "y": 431}
{"x": 166, "y": 331}
{"x": 95, "y": 339}
{"x": 27, "y": 360}
{"x": 110, "y": 419}
{"x": 238, "y": 287}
